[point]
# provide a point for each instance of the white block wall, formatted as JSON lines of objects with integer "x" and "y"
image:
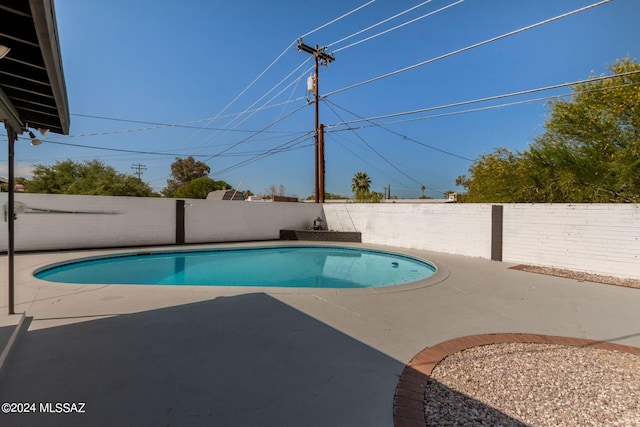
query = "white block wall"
{"x": 597, "y": 238}
{"x": 75, "y": 222}
{"x": 227, "y": 221}
{"x": 463, "y": 229}
{"x": 89, "y": 221}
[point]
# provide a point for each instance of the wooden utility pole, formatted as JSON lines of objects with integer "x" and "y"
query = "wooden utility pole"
{"x": 138, "y": 170}
{"x": 321, "y": 161}
{"x": 320, "y": 58}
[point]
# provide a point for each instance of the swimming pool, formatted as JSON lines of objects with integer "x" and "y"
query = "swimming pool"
{"x": 277, "y": 266}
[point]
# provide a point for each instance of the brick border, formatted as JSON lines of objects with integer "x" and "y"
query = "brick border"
{"x": 408, "y": 401}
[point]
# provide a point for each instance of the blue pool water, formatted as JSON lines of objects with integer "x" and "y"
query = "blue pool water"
{"x": 282, "y": 266}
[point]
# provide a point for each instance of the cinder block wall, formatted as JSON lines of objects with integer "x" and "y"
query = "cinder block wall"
{"x": 462, "y": 229}
{"x": 225, "y": 221}
{"x": 597, "y": 238}
{"x": 69, "y": 222}
{"x": 54, "y": 222}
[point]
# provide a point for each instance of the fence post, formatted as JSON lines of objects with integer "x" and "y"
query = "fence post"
{"x": 496, "y": 232}
{"x": 180, "y": 240}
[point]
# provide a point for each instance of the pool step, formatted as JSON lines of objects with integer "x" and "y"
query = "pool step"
{"x": 321, "y": 235}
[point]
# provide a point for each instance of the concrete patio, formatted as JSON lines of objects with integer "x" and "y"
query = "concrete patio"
{"x": 184, "y": 356}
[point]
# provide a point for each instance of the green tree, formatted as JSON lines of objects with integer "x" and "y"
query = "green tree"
{"x": 200, "y": 187}
{"x": 360, "y": 185}
{"x": 589, "y": 152}
{"x": 497, "y": 177}
{"x": 88, "y": 178}
{"x": 183, "y": 171}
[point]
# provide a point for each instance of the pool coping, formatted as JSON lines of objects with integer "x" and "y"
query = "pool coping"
{"x": 408, "y": 400}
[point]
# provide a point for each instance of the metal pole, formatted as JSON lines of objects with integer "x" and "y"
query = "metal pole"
{"x": 10, "y": 212}
{"x": 317, "y": 129}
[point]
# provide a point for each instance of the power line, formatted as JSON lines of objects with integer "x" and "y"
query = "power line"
{"x": 490, "y": 107}
{"x": 273, "y": 97}
{"x": 176, "y": 125}
{"x": 157, "y": 125}
{"x": 399, "y": 26}
{"x": 407, "y": 138}
{"x": 284, "y": 51}
{"x": 279, "y": 57}
{"x": 251, "y": 136}
{"x": 337, "y": 19}
{"x": 153, "y": 153}
{"x": 489, "y": 98}
{"x": 366, "y": 161}
{"x": 256, "y": 79}
{"x": 375, "y": 151}
{"x": 464, "y": 49}
{"x": 286, "y": 146}
{"x": 379, "y": 23}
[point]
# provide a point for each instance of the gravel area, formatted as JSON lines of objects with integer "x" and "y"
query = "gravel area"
{"x": 581, "y": 276}
{"x": 519, "y": 384}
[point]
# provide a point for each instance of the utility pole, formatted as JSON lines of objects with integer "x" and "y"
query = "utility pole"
{"x": 320, "y": 58}
{"x": 138, "y": 168}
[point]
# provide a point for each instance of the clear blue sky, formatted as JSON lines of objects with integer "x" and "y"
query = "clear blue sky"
{"x": 172, "y": 62}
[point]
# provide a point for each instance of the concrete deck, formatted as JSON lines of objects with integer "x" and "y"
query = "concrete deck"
{"x": 185, "y": 356}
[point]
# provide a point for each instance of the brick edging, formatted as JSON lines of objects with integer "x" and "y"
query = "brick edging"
{"x": 408, "y": 401}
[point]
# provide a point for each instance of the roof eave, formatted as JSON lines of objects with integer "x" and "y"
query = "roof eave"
{"x": 44, "y": 20}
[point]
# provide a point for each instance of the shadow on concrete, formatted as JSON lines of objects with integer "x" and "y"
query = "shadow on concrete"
{"x": 5, "y": 334}
{"x": 246, "y": 360}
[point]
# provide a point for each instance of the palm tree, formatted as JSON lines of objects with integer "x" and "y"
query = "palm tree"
{"x": 360, "y": 184}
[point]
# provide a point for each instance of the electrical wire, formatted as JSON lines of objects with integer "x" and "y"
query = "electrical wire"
{"x": 405, "y": 137}
{"x": 175, "y": 125}
{"x": 364, "y": 160}
{"x": 399, "y": 26}
{"x": 153, "y": 153}
{"x": 286, "y": 146}
{"x": 338, "y": 19}
{"x": 379, "y": 23}
{"x": 464, "y": 49}
{"x": 493, "y": 107}
{"x": 282, "y": 54}
{"x": 381, "y": 125}
{"x": 374, "y": 150}
{"x": 251, "y": 136}
{"x": 257, "y": 78}
{"x": 489, "y": 98}
{"x": 276, "y": 95}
